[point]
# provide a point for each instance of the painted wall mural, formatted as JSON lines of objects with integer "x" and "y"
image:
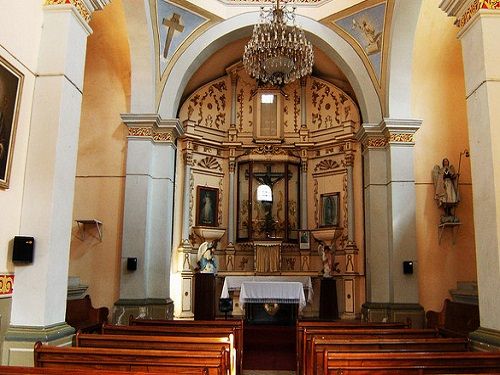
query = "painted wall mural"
{"x": 366, "y": 27}
{"x": 174, "y": 24}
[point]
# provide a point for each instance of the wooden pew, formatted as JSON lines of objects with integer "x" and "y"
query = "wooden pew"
{"x": 319, "y": 345}
{"x": 237, "y": 324}
{"x": 456, "y": 319}
{"x": 190, "y": 331}
{"x": 329, "y": 333}
{"x": 81, "y": 315}
{"x": 186, "y": 343}
{"x": 165, "y": 361}
{"x": 340, "y": 324}
{"x": 20, "y": 370}
{"x": 411, "y": 363}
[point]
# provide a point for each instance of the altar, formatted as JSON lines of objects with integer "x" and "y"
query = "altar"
{"x": 270, "y": 299}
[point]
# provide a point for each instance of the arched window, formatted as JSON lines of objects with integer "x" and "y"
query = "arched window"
{"x": 264, "y": 193}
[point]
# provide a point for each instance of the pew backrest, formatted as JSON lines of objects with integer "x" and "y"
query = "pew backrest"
{"x": 411, "y": 363}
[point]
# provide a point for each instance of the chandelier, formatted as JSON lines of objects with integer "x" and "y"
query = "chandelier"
{"x": 278, "y": 52}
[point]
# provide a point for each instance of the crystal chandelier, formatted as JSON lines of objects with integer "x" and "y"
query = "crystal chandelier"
{"x": 278, "y": 53}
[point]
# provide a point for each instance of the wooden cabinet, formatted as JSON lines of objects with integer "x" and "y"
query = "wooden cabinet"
{"x": 204, "y": 296}
{"x": 328, "y": 306}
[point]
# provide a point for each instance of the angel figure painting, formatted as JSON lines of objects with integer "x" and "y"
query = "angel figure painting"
{"x": 445, "y": 180}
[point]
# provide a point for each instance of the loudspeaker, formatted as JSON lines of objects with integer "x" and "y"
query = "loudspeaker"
{"x": 225, "y": 305}
{"x": 23, "y": 249}
{"x": 131, "y": 264}
{"x": 408, "y": 267}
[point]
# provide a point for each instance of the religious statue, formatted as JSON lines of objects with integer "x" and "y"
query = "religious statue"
{"x": 445, "y": 180}
{"x": 328, "y": 257}
{"x": 206, "y": 260}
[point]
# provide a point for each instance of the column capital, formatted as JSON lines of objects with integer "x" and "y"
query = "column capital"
{"x": 465, "y": 10}
{"x": 400, "y": 131}
{"x": 371, "y": 136}
{"x": 153, "y": 127}
{"x": 84, "y": 7}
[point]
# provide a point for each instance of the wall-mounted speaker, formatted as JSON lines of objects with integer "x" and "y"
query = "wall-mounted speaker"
{"x": 23, "y": 249}
{"x": 131, "y": 264}
{"x": 408, "y": 267}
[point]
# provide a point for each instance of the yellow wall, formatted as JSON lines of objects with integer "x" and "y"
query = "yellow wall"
{"x": 438, "y": 92}
{"x": 100, "y": 179}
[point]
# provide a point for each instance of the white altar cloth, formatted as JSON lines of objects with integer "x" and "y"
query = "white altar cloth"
{"x": 272, "y": 292}
{"x": 232, "y": 283}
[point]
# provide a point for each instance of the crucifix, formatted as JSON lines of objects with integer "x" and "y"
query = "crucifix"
{"x": 268, "y": 178}
{"x": 173, "y": 25}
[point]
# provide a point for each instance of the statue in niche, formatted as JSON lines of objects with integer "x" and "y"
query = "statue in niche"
{"x": 206, "y": 260}
{"x": 445, "y": 180}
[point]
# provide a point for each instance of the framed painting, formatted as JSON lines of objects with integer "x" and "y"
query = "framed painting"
{"x": 329, "y": 210}
{"x": 11, "y": 82}
{"x": 305, "y": 240}
{"x": 207, "y": 199}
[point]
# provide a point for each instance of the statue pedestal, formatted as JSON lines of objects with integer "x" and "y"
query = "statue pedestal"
{"x": 328, "y": 305}
{"x": 204, "y": 296}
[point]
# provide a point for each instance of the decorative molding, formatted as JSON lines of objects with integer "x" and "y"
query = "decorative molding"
{"x": 402, "y": 138}
{"x": 6, "y": 285}
{"x": 210, "y": 162}
{"x": 376, "y": 142}
{"x": 78, "y": 4}
{"x": 325, "y": 165}
{"x": 464, "y": 10}
{"x": 143, "y": 132}
{"x": 269, "y": 149}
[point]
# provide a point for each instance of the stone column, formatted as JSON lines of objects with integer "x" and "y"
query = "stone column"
{"x": 148, "y": 213}
{"x": 390, "y": 221}
{"x": 39, "y": 300}
{"x": 187, "y": 273}
{"x": 480, "y": 26}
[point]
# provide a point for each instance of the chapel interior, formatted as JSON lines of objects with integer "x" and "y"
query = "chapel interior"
{"x": 143, "y": 165}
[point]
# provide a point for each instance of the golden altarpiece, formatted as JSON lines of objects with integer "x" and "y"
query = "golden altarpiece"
{"x": 272, "y": 175}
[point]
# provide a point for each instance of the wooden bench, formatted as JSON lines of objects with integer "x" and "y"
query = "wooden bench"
{"x": 237, "y": 324}
{"x": 19, "y": 370}
{"x": 186, "y": 343}
{"x": 319, "y": 345}
{"x": 338, "y": 324}
{"x": 81, "y": 315}
{"x": 191, "y": 331}
{"x": 456, "y": 319}
{"x": 328, "y": 333}
{"x": 165, "y": 361}
{"x": 411, "y": 363}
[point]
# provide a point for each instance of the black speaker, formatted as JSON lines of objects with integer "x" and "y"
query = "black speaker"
{"x": 408, "y": 267}
{"x": 131, "y": 264}
{"x": 23, "y": 249}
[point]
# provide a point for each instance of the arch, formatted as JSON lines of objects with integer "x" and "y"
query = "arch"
{"x": 240, "y": 26}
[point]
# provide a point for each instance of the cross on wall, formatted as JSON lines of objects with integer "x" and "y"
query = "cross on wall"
{"x": 173, "y": 25}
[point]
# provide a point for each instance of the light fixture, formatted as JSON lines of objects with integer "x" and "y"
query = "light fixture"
{"x": 278, "y": 52}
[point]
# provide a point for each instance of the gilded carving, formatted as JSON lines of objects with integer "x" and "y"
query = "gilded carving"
{"x": 210, "y": 105}
{"x": 326, "y": 165}
{"x": 6, "y": 284}
{"x": 221, "y": 199}
{"x": 78, "y": 4}
{"x": 239, "y": 115}
{"x": 316, "y": 211}
{"x": 376, "y": 142}
{"x": 401, "y": 138}
{"x": 148, "y": 132}
{"x": 210, "y": 162}
{"x": 140, "y": 132}
{"x": 191, "y": 199}
{"x": 474, "y": 8}
{"x": 162, "y": 137}
{"x": 269, "y": 149}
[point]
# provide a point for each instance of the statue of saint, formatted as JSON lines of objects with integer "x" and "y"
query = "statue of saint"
{"x": 445, "y": 180}
{"x": 328, "y": 258}
{"x": 206, "y": 260}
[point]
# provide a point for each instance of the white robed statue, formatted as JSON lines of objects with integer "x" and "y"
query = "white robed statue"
{"x": 206, "y": 260}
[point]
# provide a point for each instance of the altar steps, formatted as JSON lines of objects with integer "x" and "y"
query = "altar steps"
{"x": 269, "y": 347}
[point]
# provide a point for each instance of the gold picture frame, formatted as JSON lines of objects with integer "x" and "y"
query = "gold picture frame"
{"x": 11, "y": 83}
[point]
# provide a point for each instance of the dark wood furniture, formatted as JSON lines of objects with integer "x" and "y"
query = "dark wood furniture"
{"x": 163, "y": 361}
{"x": 328, "y": 305}
{"x": 204, "y": 296}
{"x": 411, "y": 363}
{"x": 20, "y": 370}
{"x": 81, "y": 315}
{"x": 456, "y": 319}
{"x": 394, "y": 344}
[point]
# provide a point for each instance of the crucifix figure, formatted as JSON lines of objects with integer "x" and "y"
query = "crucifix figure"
{"x": 269, "y": 179}
{"x": 173, "y": 25}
